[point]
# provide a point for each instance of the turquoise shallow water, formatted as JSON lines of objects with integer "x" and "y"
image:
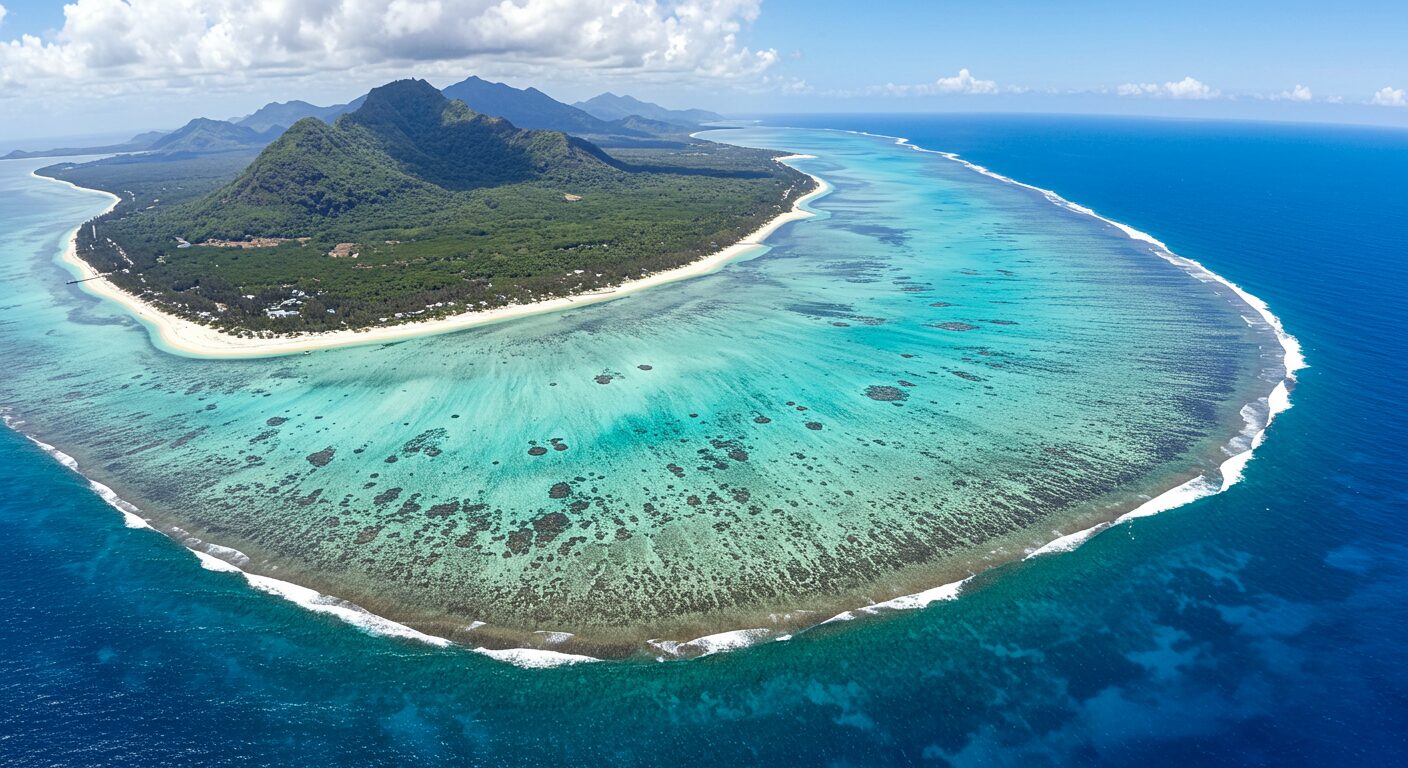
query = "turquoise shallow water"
{"x": 1261, "y": 626}
{"x": 938, "y": 373}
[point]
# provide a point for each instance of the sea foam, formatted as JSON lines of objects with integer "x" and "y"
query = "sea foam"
{"x": 1229, "y": 471}
{"x": 1277, "y": 401}
{"x": 221, "y": 559}
{"x": 711, "y": 644}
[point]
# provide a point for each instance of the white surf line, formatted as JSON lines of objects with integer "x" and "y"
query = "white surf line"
{"x": 707, "y": 645}
{"x": 1277, "y": 401}
{"x": 733, "y": 640}
{"x": 130, "y": 516}
{"x": 214, "y": 557}
{"x": 1199, "y": 487}
{"x": 941, "y": 593}
{"x": 1230, "y": 470}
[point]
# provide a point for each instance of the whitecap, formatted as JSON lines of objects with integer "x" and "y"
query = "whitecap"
{"x": 711, "y": 644}
{"x": 533, "y": 658}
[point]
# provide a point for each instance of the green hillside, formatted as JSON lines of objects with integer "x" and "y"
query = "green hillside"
{"x": 281, "y": 115}
{"x": 203, "y": 135}
{"x": 529, "y": 108}
{"x": 415, "y": 206}
{"x": 407, "y": 144}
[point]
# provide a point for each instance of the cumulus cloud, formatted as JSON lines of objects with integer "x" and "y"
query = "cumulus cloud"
{"x": 118, "y": 41}
{"x": 1390, "y": 97}
{"x": 963, "y": 82}
{"x": 1187, "y": 88}
{"x": 1298, "y": 93}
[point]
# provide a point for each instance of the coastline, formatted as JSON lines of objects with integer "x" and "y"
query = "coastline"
{"x": 1239, "y": 450}
{"x": 189, "y": 339}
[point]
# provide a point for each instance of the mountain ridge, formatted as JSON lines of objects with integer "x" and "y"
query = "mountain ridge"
{"x": 530, "y": 108}
{"x": 608, "y": 119}
{"x": 283, "y": 114}
{"x": 406, "y": 137}
{"x": 609, "y": 106}
{"x": 203, "y": 135}
{"x": 412, "y": 206}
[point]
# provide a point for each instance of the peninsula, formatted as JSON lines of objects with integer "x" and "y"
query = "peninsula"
{"x": 412, "y": 214}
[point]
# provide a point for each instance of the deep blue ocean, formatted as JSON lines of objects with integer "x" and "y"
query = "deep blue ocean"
{"x": 1267, "y": 625}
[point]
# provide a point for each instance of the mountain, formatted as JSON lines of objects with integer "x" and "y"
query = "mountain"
{"x": 531, "y": 108}
{"x": 411, "y": 206}
{"x": 283, "y": 114}
{"x": 609, "y": 106}
{"x": 148, "y": 138}
{"x": 654, "y": 127}
{"x": 203, "y": 135}
{"x": 406, "y": 139}
{"x": 137, "y": 143}
{"x": 199, "y": 136}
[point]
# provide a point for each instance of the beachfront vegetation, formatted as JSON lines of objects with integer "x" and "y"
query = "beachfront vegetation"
{"x": 414, "y": 207}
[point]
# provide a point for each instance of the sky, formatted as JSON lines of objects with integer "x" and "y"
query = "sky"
{"x": 115, "y": 66}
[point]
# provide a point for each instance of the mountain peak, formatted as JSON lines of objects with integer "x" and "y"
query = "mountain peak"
{"x": 402, "y": 95}
{"x": 205, "y": 135}
{"x": 405, "y": 137}
{"x": 609, "y": 106}
{"x": 408, "y": 110}
{"x": 528, "y": 108}
{"x": 281, "y": 114}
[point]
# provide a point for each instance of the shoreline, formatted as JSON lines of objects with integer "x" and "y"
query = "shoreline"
{"x": 1238, "y": 451}
{"x": 186, "y": 338}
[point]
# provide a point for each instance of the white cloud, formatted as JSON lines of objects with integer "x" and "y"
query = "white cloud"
{"x": 409, "y": 17}
{"x": 1390, "y": 97}
{"x": 963, "y": 82}
{"x": 1137, "y": 89}
{"x": 1298, "y": 93}
{"x": 215, "y": 42}
{"x": 2, "y": 15}
{"x": 1187, "y": 88}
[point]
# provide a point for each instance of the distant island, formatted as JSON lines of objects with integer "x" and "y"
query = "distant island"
{"x": 138, "y": 143}
{"x": 412, "y": 207}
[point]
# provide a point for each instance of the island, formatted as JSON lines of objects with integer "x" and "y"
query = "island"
{"x": 411, "y": 208}
{"x": 942, "y": 374}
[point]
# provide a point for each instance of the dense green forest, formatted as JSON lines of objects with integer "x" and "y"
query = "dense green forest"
{"x": 413, "y": 207}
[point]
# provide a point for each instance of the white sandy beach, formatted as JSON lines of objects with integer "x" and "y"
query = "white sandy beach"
{"x": 191, "y": 339}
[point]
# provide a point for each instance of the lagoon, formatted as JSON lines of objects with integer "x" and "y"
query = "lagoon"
{"x": 941, "y": 372}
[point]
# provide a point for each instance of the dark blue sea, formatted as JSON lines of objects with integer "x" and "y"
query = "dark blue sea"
{"x": 1267, "y": 625}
